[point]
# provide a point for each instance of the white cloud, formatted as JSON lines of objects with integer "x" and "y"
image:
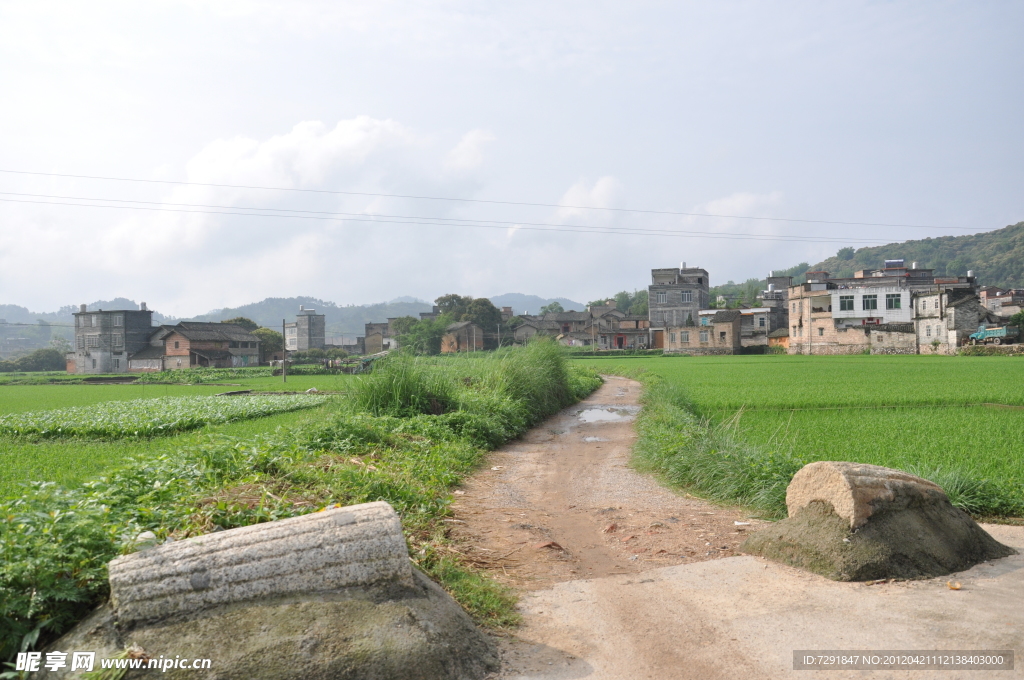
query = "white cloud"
{"x": 604, "y": 193}
{"x": 468, "y": 154}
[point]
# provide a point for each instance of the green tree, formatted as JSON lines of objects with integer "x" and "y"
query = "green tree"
{"x": 638, "y": 305}
{"x": 1018, "y": 319}
{"x": 553, "y": 308}
{"x": 845, "y": 253}
{"x": 270, "y": 341}
{"x": 421, "y": 336}
{"x": 247, "y": 324}
{"x": 453, "y": 305}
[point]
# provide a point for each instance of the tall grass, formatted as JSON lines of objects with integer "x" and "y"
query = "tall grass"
{"x": 389, "y": 442}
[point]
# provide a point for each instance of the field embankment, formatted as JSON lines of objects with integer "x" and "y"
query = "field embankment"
{"x": 408, "y": 432}
{"x": 736, "y": 429}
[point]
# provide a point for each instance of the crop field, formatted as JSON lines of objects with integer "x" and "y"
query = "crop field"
{"x": 149, "y": 417}
{"x": 946, "y": 418}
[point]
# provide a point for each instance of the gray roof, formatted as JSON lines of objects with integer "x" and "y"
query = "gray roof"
{"x": 202, "y": 330}
{"x": 726, "y": 315}
{"x": 149, "y": 352}
{"x": 893, "y": 327}
{"x": 459, "y": 325}
{"x": 567, "y": 316}
{"x": 779, "y": 333}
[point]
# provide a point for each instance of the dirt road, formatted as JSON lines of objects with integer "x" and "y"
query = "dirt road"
{"x": 625, "y": 579}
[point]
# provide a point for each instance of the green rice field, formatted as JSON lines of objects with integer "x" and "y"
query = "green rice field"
{"x": 931, "y": 415}
{"x": 72, "y": 460}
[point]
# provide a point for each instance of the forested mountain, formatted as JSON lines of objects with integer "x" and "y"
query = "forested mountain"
{"x": 997, "y": 257}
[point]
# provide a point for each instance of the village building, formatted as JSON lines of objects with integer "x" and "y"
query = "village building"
{"x": 674, "y": 300}
{"x": 462, "y": 336}
{"x": 378, "y": 338}
{"x": 308, "y": 331}
{"x": 779, "y": 338}
{"x": 194, "y": 344}
{"x": 105, "y": 340}
{"x": 1002, "y": 301}
{"x": 600, "y": 327}
{"x": 718, "y": 332}
{"x": 895, "y": 310}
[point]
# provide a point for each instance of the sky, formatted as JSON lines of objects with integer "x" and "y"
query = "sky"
{"x": 304, "y": 148}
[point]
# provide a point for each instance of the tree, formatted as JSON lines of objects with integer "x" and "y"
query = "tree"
{"x": 1018, "y": 320}
{"x": 421, "y": 336}
{"x": 247, "y": 324}
{"x": 453, "y": 305}
{"x": 48, "y": 359}
{"x": 639, "y": 305}
{"x": 845, "y": 253}
{"x": 553, "y": 308}
{"x": 270, "y": 341}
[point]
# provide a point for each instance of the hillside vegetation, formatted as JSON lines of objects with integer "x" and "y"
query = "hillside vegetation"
{"x": 997, "y": 257}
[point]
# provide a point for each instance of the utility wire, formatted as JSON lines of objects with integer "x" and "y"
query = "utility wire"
{"x": 470, "y": 200}
{"x": 442, "y": 221}
{"x": 621, "y": 231}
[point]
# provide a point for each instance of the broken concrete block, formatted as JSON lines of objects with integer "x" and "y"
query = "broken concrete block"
{"x": 856, "y": 491}
{"x": 854, "y": 522}
{"x": 359, "y": 545}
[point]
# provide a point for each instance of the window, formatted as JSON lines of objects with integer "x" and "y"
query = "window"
{"x": 92, "y": 341}
{"x": 821, "y": 332}
{"x": 671, "y": 337}
{"x": 721, "y": 336}
{"x": 686, "y": 296}
{"x": 936, "y": 303}
{"x": 117, "y": 364}
{"x": 928, "y": 331}
{"x": 845, "y": 303}
{"x": 869, "y": 302}
{"x": 760, "y": 321}
{"x": 704, "y": 336}
{"x": 684, "y": 337}
{"x": 703, "y": 321}
{"x": 892, "y": 301}
{"x": 94, "y": 363}
{"x": 118, "y": 340}
{"x": 176, "y": 344}
{"x": 794, "y": 308}
{"x": 661, "y": 298}
{"x": 95, "y": 320}
{"x": 118, "y": 319}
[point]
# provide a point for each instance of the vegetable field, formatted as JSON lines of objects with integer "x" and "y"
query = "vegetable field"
{"x": 149, "y": 417}
{"x": 956, "y": 420}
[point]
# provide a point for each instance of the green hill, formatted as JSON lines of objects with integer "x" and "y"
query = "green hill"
{"x": 997, "y": 257}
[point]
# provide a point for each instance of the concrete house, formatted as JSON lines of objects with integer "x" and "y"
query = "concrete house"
{"x": 888, "y": 311}
{"x": 675, "y": 298}
{"x": 105, "y": 340}
{"x": 377, "y": 337}
{"x": 308, "y": 331}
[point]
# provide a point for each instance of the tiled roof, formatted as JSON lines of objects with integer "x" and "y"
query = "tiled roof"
{"x": 779, "y": 333}
{"x": 726, "y": 315}
{"x": 200, "y": 331}
{"x": 148, "y": 352}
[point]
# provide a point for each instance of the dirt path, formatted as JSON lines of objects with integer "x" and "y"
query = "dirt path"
{"x": 561, "y": 503}
{"x": 625, "y": 579}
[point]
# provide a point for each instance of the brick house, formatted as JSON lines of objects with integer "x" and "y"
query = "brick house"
{"x": 719, "y": 332}
{"x": 462, "y": 336}
{"x": 193, "y": 344}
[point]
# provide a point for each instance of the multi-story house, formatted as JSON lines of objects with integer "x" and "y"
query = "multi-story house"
{"x": 308, "y": 331}
{"x": 104, "y": 340}
{"x": 675, "y": 298}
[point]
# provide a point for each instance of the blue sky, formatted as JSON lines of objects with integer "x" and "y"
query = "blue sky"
{"x": 888, "y": 112}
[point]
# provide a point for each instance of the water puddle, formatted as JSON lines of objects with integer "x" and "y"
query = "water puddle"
{"x": 608, "y": 414}
{"x": 594, "y": 439}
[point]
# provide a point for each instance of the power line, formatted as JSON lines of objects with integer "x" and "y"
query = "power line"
{"x": 413, "y": 219}
{"x": 621, "y": 231}
{"x": 470, "y": 200}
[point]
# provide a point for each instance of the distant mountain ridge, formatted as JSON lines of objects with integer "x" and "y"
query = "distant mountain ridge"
{"x": 531, "y": 304}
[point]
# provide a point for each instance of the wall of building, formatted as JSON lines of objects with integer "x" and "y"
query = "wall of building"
{"x": 675, "y": 295}
{"x": 721, "y": 338}
{"x": 105, "y": 339}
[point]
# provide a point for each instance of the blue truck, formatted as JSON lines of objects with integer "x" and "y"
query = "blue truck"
{"x": 998, "y": 335}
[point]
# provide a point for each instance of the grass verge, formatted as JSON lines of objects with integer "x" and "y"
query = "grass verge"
{"x": 394, "y": 440}
{"x": 713, "y": 459}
